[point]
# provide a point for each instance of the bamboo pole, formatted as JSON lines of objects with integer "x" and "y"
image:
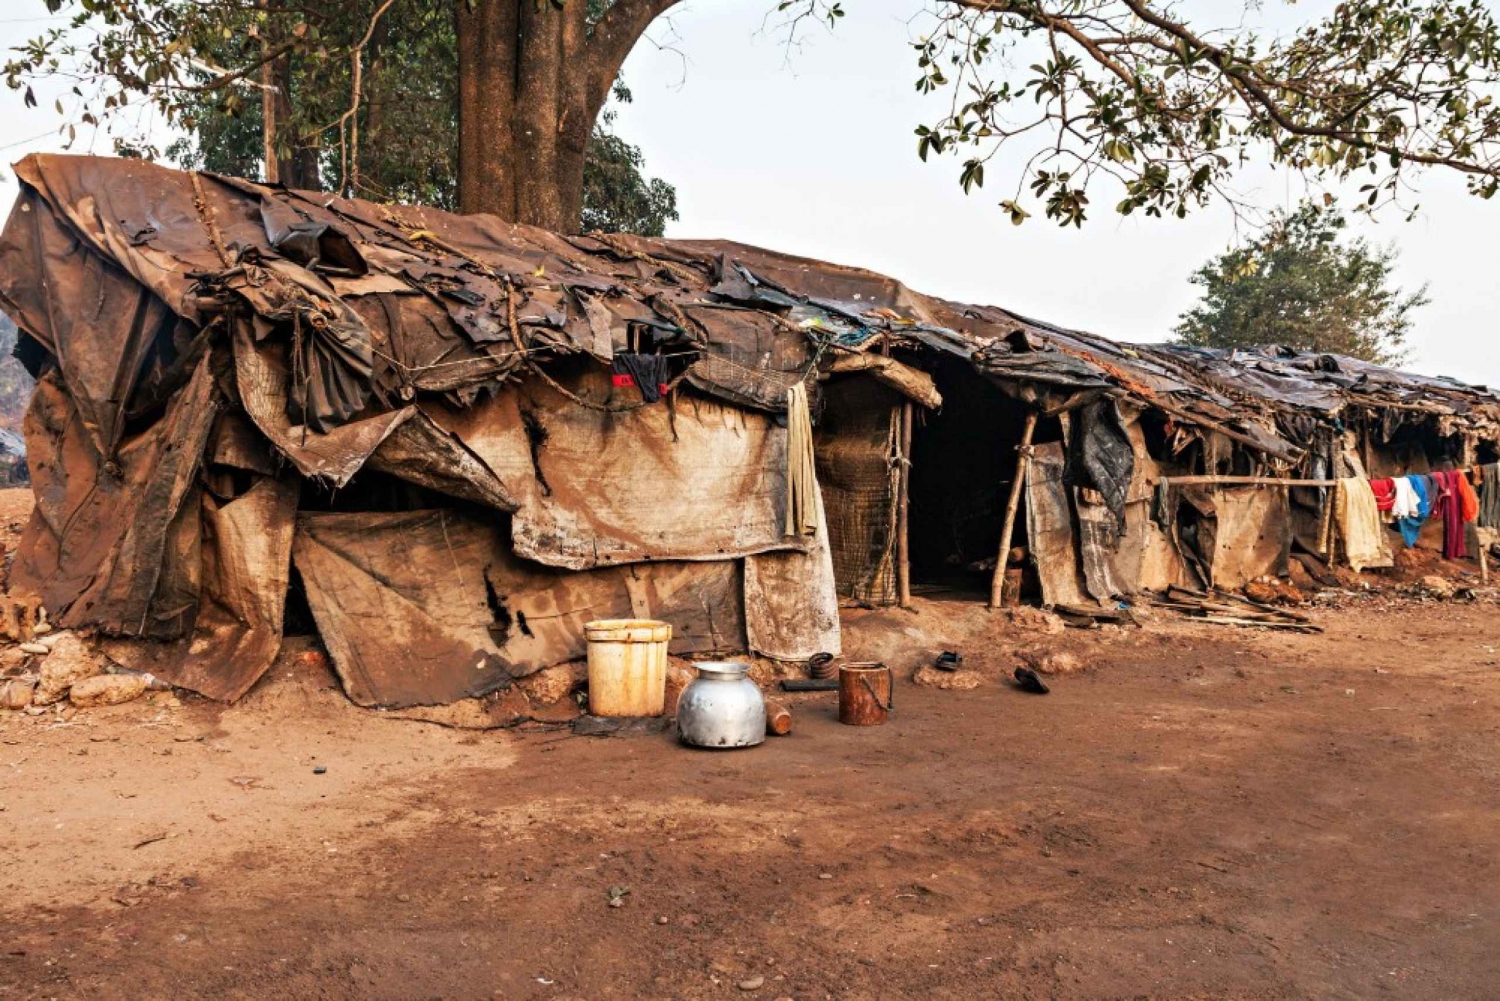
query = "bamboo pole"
{"x": 903, "y": 512}
{"x": 1023, "y": 460}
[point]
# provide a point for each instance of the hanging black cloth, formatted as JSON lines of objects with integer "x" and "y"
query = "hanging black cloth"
{"x": 648, "y": 373}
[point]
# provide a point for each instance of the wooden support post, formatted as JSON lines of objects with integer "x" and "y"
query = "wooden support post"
{"x": 903, "y": 511}
{"x": 268, "y": 110}
{"x": 1008, "y": 529}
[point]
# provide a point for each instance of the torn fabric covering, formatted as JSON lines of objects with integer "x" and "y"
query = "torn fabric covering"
{"x": 1098, "y": 540}
{"x": 791, "y": 600}
{"x": 1049, "y": 528}
{"x": 246, "y": 563}
{"x": 427, "y": 607}
{"x": 1252, "y": 536}
{"x": 101, "y": 537}
{"x": 1100, "y": 455}
{"x": 95, "y": 319}
{"x": 698, "y": 481}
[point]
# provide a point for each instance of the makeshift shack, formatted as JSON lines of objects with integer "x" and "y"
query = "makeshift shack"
{"x": 450, "y": 441}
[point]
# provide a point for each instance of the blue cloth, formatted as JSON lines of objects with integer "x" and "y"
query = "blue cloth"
{"x": 1411, "y": 527}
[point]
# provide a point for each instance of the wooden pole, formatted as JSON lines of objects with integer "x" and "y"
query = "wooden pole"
{"x": 1008, "y": 528}
{"x": 903, "y": 511}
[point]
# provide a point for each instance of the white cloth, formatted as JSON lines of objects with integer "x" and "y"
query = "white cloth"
{"x": 1406, "y": 504}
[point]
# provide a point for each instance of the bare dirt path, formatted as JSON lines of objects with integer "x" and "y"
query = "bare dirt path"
{"x": 1207, "y": 812}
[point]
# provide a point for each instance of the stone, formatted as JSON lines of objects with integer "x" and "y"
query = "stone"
{"x": 753, "y": 984}
{"x": 1436, "y": 586}
{"x": 106, "y": 690}
{"x": 1053, "y": 662}
{"x": 16, "y": 694}
{"x": 14, "y": 661}
{"x": 70, "y": 661}
{"x": 948, "y": 681}
{"x": 549, "y": 685}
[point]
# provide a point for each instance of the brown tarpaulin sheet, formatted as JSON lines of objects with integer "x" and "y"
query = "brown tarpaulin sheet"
{"x": 1049, "y": 526}
{"x": 246, "y": 562}
{"x": 698, "y": 480}
{"x": 1254, "y": 534}
{"x": 426, "y": 607}
{"x": 100, "y": 539}
{"x": 791, "y": 600}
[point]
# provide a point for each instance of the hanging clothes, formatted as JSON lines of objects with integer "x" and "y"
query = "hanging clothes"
{"x": 801, "y": 479}
{"x": 646, "y": 372}
{"x": 1406, "y": 504}
{"x": 1448, "y": 506}
{"x": 1489, "y": 496}
{"x": 1385, "y": 493}
{"x": 1411, "y": 525}
{"x": 1358, "y": 519}
{"x": 1468, "y": 499}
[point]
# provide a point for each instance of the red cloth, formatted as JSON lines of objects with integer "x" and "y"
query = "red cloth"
{"x": 1468, "y": 499}
{"x": 1385, "y": 494}
{"x": 1449, "y": 506}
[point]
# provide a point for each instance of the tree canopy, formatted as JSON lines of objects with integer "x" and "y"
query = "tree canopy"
{"x": 1157, "y": 105}
{"x": 1297, "y": 284}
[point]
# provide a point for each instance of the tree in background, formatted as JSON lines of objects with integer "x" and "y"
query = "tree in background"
{"x": 362, "y": 96}
{"x": 1154, "y": 100}
{"x": 1297, "y": 285}
{"x": 408, "y": 145}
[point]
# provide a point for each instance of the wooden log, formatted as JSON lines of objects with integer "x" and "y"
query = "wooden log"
{"x": 778, "y": 718}
{"x": 903, "y": 506}
{"x": 865, "y": 694}
{"x": 1008, "y": 527}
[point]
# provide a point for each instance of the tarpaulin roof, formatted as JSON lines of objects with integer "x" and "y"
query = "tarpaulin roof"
{"x": 209, "y": 345}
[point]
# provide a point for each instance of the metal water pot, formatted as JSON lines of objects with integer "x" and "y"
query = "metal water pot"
{"x": 721, "y": 707}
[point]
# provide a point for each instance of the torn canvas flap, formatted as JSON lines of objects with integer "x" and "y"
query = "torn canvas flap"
{"x": 421, "y": 452}
{"x": 791, "y": 599}
{"x": 1253, "y": 535}
{"x": 97, "y": 543}
{"x": 96, "y": 319}
{"x": 426, "y": 607}
{"x": 247, "y": 551}
{"x": 1049, "y": 528}
{"x": 261, "y": 375}
{"x": 697, "y": 480}
{"x": 401, "y": 604}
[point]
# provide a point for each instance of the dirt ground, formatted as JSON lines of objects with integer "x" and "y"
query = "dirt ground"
{"x": 1203, "y": 812}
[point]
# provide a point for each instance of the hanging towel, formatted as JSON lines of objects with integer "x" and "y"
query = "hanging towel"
{"x": 1385, "y": 493}
{"x": 1411, "y": 525}
{"x": 1359, "y": 524}
{"x": 1405, "y": 503}
{"x": 801, "y": 479}
{"x": 1489, "y": 497}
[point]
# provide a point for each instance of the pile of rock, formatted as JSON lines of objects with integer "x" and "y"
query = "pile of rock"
{"x": 49, "y": 666}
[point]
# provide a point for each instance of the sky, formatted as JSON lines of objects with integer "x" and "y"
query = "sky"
{"x": 811, "y": 152}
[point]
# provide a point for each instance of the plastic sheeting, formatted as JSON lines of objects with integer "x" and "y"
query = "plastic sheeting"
{"x": 427, "y": 607}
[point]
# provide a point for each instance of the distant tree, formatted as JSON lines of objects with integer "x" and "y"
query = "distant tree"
{"x": 1158, "y": 103}
{"x": 1297, "y": 284}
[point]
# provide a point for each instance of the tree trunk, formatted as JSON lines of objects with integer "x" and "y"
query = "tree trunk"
{"x": 532, "y": 80}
